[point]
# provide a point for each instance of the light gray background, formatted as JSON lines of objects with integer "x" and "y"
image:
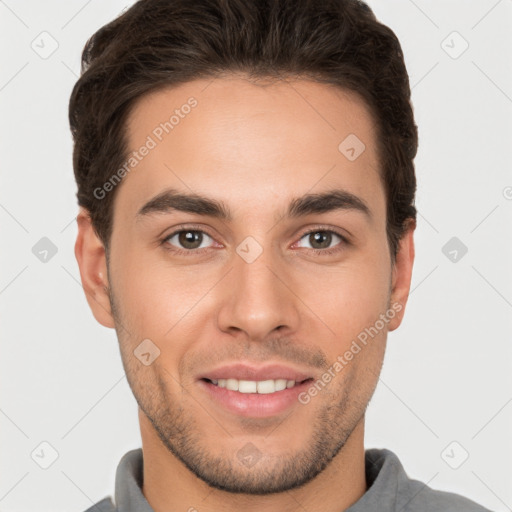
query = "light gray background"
{"x": 447, "y": 371}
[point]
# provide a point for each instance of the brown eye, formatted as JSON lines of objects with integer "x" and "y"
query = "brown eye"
{"x": 188, "y": 239}
{"x": 321, "y": 239}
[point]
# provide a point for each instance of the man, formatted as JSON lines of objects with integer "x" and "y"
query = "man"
{"x": 246, "y": 189}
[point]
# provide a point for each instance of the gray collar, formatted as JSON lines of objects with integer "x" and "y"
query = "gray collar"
{"x": 389, "y": 488}
{"x": 383, "y": 473}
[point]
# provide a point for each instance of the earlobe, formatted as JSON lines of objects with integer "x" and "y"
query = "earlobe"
{"x": 91, "y": 258}
{"x": 401, "y": 276}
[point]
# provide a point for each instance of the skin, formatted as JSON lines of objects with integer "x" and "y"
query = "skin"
{"x": 255, "y": 147}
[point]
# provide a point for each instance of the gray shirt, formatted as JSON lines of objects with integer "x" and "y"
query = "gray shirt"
{"x": 389, "y": 489}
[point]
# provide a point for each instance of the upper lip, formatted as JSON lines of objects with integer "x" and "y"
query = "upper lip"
{"x": 241, "y": 371}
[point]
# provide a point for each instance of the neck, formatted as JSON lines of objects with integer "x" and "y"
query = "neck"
{"x": 169, "y": 485}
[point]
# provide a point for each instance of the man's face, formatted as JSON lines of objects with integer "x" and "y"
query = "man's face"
{"x": 260, "y": 288}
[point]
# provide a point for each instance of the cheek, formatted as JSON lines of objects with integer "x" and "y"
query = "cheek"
{"x": 347, "y": 298}
{"x": 158, "y": 300}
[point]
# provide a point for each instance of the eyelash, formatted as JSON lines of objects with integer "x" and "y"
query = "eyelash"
{"x": 188, "y": 252}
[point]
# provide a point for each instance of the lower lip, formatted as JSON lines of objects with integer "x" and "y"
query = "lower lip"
{"x": 255, "y": 405}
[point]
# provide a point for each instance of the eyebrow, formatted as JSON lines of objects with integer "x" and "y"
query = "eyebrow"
{"x": 174, "y": 200}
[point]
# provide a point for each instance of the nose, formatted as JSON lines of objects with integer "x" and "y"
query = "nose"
{"x": 258, "y": 298}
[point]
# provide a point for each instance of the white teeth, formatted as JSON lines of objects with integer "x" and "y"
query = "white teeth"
{"x": 247, "y": 386}
{"x": 280, "y": 384}
{"x": 232, "y": 384}
{"x": 266, "y": 386}
{"x": 253, "y": 386}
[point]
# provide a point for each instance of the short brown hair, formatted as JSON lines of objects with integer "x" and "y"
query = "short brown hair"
{"x": 161, "y": 43}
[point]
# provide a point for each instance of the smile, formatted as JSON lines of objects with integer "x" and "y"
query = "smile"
{"x": 254, "y": 398}
{"x": 254, "y": 386}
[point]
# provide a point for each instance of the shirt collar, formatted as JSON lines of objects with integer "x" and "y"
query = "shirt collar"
{"x": 128, "y": 493}
{"x": 384, "y": 476}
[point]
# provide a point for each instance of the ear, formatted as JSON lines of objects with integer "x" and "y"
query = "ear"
{"x": 401, "y": 276}
{"x": 92, "y": 262}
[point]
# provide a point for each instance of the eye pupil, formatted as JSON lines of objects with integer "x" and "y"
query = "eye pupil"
{"x": 190, "y": 237}
{"x": 318, "y": 236}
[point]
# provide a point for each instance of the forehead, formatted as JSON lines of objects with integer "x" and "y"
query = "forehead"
{"x": 251, "y": 144}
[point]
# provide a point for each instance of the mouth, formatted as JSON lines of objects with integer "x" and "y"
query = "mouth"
{"x": 254, "y": 398}
{"x": 258, "y": 391}
{"x": 262, "y": 387}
